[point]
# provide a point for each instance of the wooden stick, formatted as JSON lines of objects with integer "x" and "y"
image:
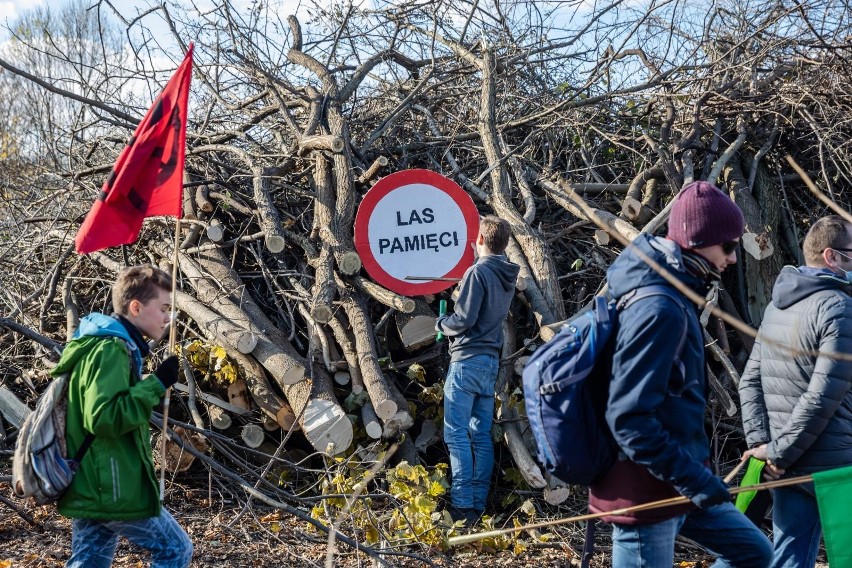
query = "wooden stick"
{"x": 438, "y": 278}
{"x": 730, "y": 476}
{"x": 172, "y": 338}
{"x": 679, "y": 500}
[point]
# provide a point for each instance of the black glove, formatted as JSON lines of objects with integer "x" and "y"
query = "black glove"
{"x": 714, "y": 493}
{"x": 167, "y": 371}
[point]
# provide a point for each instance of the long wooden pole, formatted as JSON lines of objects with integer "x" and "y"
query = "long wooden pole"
{"x": 172, "y": 341}
{"x": 691, "y": 295}
{"x": 679, "y": 500}
{"x": 437, "y": 278}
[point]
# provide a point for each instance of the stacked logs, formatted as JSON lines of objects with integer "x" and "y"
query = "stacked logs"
{"x": 265, "y": 255}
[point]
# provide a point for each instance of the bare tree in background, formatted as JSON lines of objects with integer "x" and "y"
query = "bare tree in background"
{"x": 542, "y": 112}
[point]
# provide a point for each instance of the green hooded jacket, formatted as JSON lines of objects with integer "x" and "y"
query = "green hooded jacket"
{"x": 116, "y": 479}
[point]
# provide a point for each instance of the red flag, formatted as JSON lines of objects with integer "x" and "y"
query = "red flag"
{"x": 147, "y": 178}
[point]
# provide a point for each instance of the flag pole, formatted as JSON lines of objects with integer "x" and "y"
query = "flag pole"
{"x": 679, "y": 500}
{"x": 172, "y": 340}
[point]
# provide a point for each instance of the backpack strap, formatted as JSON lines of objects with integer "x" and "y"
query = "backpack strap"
{"x": 662, "y": 290}
{"x": 81, "y": 451}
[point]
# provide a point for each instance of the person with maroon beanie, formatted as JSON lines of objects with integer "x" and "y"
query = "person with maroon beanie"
{"x": 657, "y": 395}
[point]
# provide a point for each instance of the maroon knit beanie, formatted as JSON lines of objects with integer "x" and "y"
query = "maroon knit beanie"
{"x": 703, "y": 216}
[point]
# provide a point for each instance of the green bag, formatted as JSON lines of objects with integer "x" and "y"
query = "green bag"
{"x": 751, "y": 477}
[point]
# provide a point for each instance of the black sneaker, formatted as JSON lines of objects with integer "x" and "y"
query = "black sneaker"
{"x": 464, "y": 515}
{"x": 472, "y": 516}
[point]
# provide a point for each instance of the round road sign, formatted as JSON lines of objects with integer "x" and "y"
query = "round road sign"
{"x": 413, "y": 228}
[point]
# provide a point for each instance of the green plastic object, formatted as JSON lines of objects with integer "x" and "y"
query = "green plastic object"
{"x": 751, "y": 477}
{"x": 442, "y": 311}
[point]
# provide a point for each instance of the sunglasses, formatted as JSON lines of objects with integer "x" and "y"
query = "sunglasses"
{"x": 730, "y": 246}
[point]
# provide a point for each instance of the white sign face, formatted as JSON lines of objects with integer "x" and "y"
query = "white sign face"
{"x": 414, "y": 230}
{"x": 417, "y": 229}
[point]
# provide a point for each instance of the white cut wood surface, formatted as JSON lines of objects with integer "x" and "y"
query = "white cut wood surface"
{"x": 557, "y": 491}
{"x": 325, "y": 424}
{"x": 219, "y": 419}
{"x": 252, "y": 435}
{"x": 417, "y": 332}
{"x": 215, "y": 231}
{"x": 429, "y": 434}
{"x": 758, "y": 246}
{"x": 238, "y": 394}
{"x": 371, "y": 421}
{"x": 244, "y": 341}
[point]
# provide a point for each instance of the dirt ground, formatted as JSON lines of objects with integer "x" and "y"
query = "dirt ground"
{"x": 225, "y": 535}
{"x": 249, "y": 542}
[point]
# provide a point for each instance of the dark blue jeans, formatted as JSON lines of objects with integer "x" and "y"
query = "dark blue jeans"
{"x": 468, "y": 415}
{"x": 722, "y": 530}
{"x": 796, "y": 528}
{"x": 93, "y": 542}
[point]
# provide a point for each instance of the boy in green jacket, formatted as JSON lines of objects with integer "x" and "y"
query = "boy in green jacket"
{"x": 115, "y": 491}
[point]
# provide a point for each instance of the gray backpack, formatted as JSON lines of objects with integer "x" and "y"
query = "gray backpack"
{"x": 41, "y": 469}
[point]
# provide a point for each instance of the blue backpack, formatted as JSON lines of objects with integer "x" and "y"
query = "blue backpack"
{"x": 566, "y": 385}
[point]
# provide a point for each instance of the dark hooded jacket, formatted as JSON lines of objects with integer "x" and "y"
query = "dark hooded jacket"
{"x": 655, "y": 412}
{"x": 485, "y": 292}
{"x": 798, "y": 403}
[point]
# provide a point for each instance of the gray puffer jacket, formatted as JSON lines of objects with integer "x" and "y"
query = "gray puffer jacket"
{"x": 797, "y": 402}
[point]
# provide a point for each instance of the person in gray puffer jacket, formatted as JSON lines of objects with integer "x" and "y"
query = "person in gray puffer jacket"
{"x": 796, "y": 397}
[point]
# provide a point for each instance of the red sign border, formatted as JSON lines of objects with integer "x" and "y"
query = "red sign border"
{"x": 391, "y": 183}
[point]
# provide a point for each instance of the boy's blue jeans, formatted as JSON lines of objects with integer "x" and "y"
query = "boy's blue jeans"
{"x": 796, "y": 528}
{"x": 93, "y": 542}
{"x": 468, "y": 415}
{"x": 722, "y": 530}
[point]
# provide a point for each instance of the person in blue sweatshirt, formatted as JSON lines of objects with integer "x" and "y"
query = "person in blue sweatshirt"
{"x": 475, "y": 333}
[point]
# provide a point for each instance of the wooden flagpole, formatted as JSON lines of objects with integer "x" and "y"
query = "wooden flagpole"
{"x": 679, "y": 500}
{"x": 172, "y": 340}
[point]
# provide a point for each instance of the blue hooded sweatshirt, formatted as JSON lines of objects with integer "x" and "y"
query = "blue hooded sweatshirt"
{"x": 100, "y": 325}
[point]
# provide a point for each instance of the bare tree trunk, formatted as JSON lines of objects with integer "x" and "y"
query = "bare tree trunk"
{"x": 762, "y": 212}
